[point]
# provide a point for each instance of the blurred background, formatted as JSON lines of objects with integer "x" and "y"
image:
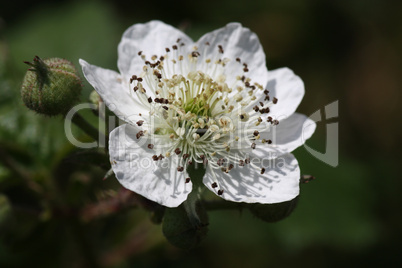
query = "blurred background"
{"x": 55, "y": 210}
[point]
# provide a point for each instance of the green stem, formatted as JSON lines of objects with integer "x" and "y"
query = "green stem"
{"x": 88, "y": 128}
{"x": 190, "y": 205}
{"x": 194, "y": 198}
{"x": 17, "y": 169}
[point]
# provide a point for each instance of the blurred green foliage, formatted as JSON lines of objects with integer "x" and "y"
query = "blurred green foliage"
{"x": 346, "y": 51}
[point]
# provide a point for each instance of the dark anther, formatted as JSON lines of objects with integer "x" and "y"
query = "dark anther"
{"x": 134, "y": 77}
{"x": 139, "y": 79}
{"x": 253, "y": 145}
{"x": 220, "y": 161}
{"x": 214, "y": 185}
{"x": 149, "y": 99}
{"x": 238, "y": 60}
{"x": 269, "y": 120}
{"x": 266, "y": 98}
{"x": 150, "y": 146}
{"x": 139, "y": 53}
{"x": 187, "y": 180}
{"x": 264, "y": 111}
{"x": 177, "y": 151}
{"x": 220, "y": 192}
{"x": 220, "y": 49}
{"x": 135, "y": 89}
{"x": 230, "y": 167}
{"x": 190, "y": 162}
{"x": 241, "y": 117}
{"x": 245, "y": 69}
{"x": 262, "y": 171}
{"x": 256, "y": 108}
{"x": 147, "y": 62}
{"x": 247, "y": 161}
{"x": 162, "y": 58}
{"x": 178, "y": 40}
{"x": 247, "y": 84}
{"x": 140, "y": 122}
{"x": 157, "y": 100}
{"x": 207, "y": 43}
{"x": 174, "y": 47}
{"x": 241, "y": 163}
{"x": 266, "y": 92}
{"x": 165, "y": 107}
{"x": 185, "y": 156}
{"x": 139, "y": 134}
{"x": 158, "y": 75}
{"x": 262, "y": 104}
{"x": 269, "y": 141}
{"x": 166, "y": 101}
{"x": 256, "y": 133}
{"x": 160, "y": 157}
{"x": 275, "y": 122}
{"x": 180, "y": 169}
{"x": 275, "y": 100}
{"x": 167, "y": 49}
{"x": 195, "y": 54}
{"x": 155, "y": 157}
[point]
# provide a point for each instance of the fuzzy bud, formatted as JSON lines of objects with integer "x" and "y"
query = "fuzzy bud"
{"x": 180, "y": 231}
{"x": 273, "y": 212}
{"x": 51, "y": 86}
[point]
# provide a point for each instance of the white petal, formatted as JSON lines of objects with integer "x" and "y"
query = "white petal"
{"x": 237, "y": 42}
{"x": 151, "y": 38}
{"x": 135, "y": 169}
{"x": 279, "y": 183}
{"x": 286, "y": 137}
{"x": 288, "y": 88}
{"x": 114, "y": 92}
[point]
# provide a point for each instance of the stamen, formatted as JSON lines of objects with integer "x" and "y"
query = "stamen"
{"x": 194, "y": 111}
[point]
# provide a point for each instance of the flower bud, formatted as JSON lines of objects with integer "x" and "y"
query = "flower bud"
{"x": 94, "y": 98}
{"x": 179, "y": 230}
{"x": 50, "y": 86}
{"x": 273, "y": 212}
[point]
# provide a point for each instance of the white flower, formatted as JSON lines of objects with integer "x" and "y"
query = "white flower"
{"x": 211, "y": 103}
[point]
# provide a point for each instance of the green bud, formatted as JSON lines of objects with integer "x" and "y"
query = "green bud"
{"x": 273, "y": 212}
{"x": 180, "y": 231}
{"x": 95, "y": 98}
{"x": 51, "y": 86}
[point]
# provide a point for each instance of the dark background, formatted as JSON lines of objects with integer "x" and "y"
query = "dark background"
{"x": 346, "y": 51}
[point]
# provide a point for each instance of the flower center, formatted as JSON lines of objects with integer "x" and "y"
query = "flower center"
{"x": 196, "y": 112}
